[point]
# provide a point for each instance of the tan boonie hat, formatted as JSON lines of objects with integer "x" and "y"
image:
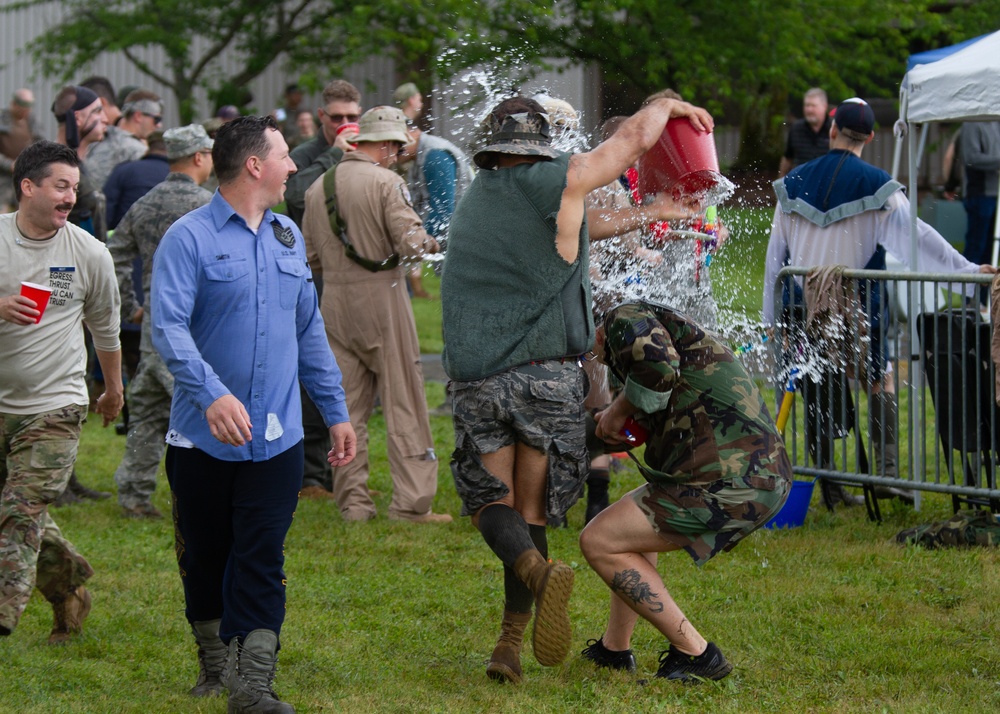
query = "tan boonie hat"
{"x": 186, "y": 140}
{"x": 383, "y": 124}
{"x": 522, "y": 134}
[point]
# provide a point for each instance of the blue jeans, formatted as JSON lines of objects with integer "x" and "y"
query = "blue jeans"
{"x": 230, "y": 523}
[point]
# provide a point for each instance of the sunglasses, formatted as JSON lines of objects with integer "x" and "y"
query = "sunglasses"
{"x": 156, "y": 118}
{"x": 339, "y": 118}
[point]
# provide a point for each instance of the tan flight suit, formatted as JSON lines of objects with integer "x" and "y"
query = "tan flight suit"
{"x": 369, "y": 323}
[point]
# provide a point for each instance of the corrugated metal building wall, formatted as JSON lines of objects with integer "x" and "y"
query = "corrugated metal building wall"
{"x": 375, "y": 77}
{"x": 17, "y": 70}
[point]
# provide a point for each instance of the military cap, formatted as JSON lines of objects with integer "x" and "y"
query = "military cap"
{"x": 404, "y": 92}
{"x": 186, "y": 140}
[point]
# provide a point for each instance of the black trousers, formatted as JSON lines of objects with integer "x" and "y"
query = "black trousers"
{"x": 230, "y": 523}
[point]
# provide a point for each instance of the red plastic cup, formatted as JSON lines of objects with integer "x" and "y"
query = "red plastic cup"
{"x": 40, "y": 294}
{"x": 682, "y": 161}
{"x": 634, "y": 433}
{"x": 350, "y": 126}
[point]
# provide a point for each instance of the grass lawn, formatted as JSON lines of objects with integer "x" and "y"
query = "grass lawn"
{"x": 395, "y": 617}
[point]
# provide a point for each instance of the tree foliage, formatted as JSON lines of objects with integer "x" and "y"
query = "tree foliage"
{"x": 317, "y": 37}
{"x": 743, "y": 59}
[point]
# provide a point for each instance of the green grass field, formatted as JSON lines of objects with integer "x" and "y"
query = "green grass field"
{"x": 396, "y": 617}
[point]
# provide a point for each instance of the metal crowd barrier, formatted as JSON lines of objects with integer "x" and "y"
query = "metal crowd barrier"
{"x": 936, "y": 358}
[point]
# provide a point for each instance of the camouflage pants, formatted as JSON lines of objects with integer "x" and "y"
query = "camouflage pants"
{"x": 38, "y": 454}
{"x": 149, "y": 396}
{"x": 540, "y": 405}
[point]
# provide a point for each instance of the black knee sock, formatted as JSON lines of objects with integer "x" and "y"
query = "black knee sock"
{"x": 517, "y": 597}
{"x": 505, "y": 532}
{"x": 597, "y": 483}
{"x": 540, "y": 538}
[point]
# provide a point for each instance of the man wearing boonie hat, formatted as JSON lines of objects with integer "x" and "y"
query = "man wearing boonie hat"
{"x": 840, "y": 210}
{"x": 142, "y": 114}
{"x": 517, "y": 319}
{"x": 189, "y": 151}
{"x": 364, "y": 240}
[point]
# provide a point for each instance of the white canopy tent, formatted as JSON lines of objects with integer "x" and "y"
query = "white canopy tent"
{"x": 962, "y": 86}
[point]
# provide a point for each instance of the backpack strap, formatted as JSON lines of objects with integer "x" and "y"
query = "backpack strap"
{"x": 339, "y": 229}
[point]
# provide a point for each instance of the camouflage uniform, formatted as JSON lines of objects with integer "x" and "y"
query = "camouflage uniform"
{"x": 36, "y": 458}
{"x": 151, "y": 390}
{"x": 118, "y": 146}
{"x": 715, "y": 464}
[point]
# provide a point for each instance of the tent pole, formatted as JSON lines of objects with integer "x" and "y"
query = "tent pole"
{"x": 916, "y": 381}
{"x": 996, "y": 233}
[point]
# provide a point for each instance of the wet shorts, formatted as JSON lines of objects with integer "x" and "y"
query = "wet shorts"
{"x": 540, "y": 405}
{"x": 705, "y": 519}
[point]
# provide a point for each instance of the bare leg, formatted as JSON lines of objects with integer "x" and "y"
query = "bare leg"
{"x": 622, "y": 619}
{"x": 614, "y": 544}
{"x": 524, "y": 471}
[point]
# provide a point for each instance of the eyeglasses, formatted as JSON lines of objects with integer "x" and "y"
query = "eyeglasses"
{"x": 340, "y": 118}
{"x": 156, "y": 119}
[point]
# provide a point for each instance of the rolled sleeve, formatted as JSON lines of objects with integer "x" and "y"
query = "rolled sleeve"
{"x": 645, "y": 399}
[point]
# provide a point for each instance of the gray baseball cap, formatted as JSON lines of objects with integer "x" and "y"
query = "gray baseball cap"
{"x": 186, "y": 140}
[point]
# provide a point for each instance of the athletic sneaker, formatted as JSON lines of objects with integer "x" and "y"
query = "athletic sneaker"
{"x": 710, "y": 664}
{"x": 600, "y": 655}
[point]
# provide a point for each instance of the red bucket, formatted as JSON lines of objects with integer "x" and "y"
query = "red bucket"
{"x": 683, "y": 161}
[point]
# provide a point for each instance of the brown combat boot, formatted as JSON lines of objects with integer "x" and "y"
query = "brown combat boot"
{"x": 551, "y": 584}
{"x": 69, "y": 613}
{"x": 505, "y": 662}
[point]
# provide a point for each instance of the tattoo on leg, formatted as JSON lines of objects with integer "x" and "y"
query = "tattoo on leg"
{"x": 629, "y": 584}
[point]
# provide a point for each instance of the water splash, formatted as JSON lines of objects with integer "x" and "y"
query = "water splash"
{"x": 665, "y": 273}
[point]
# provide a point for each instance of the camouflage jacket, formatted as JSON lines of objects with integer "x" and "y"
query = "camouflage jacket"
{"x": 117, "y": 147}
{"x": 706, "y": 418}
{"x": 139, "y": 234}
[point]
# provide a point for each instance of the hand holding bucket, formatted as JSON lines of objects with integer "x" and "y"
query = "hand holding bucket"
{"x": 684, "y": 162}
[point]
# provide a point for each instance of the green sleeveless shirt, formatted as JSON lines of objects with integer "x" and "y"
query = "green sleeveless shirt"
{"x": 507, "y": 296}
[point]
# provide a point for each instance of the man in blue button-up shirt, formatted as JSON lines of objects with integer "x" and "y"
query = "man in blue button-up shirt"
{"x": 236, "y": 319}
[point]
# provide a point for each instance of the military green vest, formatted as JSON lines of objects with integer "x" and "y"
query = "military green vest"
{"x": 507, "y": 296}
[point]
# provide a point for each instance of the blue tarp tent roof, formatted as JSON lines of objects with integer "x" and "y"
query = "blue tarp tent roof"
{"x": 939, "y": 53}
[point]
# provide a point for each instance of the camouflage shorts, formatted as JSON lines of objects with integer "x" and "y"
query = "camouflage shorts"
{"x": 705, "y": 519}
{"x": 540, "y": 405}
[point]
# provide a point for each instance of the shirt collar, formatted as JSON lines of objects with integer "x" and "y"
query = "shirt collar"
{"x": 222, "y": 213}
